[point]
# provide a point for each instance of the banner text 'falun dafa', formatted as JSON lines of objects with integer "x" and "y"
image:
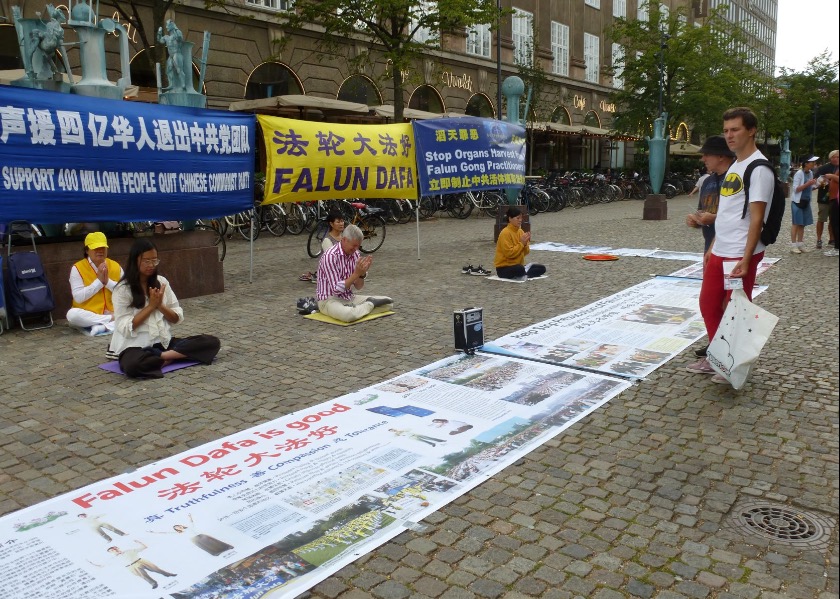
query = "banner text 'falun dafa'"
{"x": 324, "y": 161}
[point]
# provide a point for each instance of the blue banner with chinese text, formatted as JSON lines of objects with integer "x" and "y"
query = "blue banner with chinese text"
{"x": 457, "y": 154}
{"x": 68, "y": 158}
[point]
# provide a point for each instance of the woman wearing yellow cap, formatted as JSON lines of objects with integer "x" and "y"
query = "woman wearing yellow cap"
{"x": 92, "y": 279}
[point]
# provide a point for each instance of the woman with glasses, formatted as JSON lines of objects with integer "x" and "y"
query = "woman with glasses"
{"x": 145, "y": 308}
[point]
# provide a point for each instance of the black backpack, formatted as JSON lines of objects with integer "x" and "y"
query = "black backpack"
{"x": 773, "y": 224}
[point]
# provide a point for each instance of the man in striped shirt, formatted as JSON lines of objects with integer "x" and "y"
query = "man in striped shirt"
{"x": 341, "y": 269}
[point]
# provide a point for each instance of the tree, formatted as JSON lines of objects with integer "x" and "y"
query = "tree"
{"x": 704, "y": 71}
{"x": 812, "y": 106}
{"x": 401, "y": 31}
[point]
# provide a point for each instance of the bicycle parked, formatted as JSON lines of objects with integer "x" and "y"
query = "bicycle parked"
{"x": 368, "y": 218}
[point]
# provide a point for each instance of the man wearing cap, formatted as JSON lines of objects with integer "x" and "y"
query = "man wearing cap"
{"x": 718, "y": 158}
{"x": 801, "y": 215}
{"x": 92, "y": 279}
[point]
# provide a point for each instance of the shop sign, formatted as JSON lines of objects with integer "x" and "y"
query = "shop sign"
{"x": 450, "y": 79}
{"x": 579, "y": 102}
{"x": 607, "y": 106}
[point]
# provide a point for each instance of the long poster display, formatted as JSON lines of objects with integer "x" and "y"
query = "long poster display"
{"x": 274, "y": 509}
{"x": 628, "y": 334}
{"x": 67, "y": 158}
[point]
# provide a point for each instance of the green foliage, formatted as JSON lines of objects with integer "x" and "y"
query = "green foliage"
{"x": 802, "y": 96}
{"x": 703, "y": 72}
{"x": 389, "y": 28}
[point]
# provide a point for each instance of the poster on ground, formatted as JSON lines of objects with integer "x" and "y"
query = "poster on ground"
{"x": 630, "y": 333}
{"x": 69, "y": 158}
{"x": 469, "y": 153}
{"x": 695, "y": 271}
{"x": 274, "y": 509}
{"x": 308, "y": 161}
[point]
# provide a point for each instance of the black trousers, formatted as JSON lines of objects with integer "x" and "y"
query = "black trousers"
{"x": 518, "y": 270}
{"x": 146, "y": 362}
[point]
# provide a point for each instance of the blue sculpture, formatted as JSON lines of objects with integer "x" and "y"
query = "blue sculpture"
{"x": 512, "y": 88}
{"x": 94, "y": 81}
{"x": 39, "y": 40}
{"x": 179, "y": 90}
{"x": 658, "y": 148}
{"x": 784, "y": 159}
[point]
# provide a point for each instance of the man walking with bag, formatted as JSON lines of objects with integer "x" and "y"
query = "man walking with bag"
{"x": 736, "y": 249}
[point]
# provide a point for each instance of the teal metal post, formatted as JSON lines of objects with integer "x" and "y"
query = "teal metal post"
{"x": 658, "y": 145}
{"x": 784, "y": 158}
{"x": 513, "y": 87}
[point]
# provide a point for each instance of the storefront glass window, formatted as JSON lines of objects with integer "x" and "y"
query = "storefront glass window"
{"x": 272, "y": 79}
{"x": 480, "y": 105}
{"x": 361, "y": 90}
{"x": 426, "y": 98}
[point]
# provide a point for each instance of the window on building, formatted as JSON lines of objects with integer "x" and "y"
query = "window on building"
{"x": 426, "y": 98}
{"x": 620, "y": 8}
{"x": 593, "y": 3}
{"x": 591, "y": 54}
{"x": 360, "y": 89}
{"x": 642, "y": 10}
{"x": 480, "y": 105}
{"x": 561, "y": 116}
{"x": 618, "y": 66}
{"x": 523, "y": 37}
{"x": 478, "y": 41}
{"x": 272, "y": 79}
{"x": 423, "y": 34}
{"x": 560, "y": 49}
{"x": 274, "y": 4}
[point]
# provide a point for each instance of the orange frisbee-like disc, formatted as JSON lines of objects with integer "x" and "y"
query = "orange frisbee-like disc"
{"x": 600, "y": 257}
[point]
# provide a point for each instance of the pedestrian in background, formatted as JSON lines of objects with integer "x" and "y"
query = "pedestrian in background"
{"x": 801, "y": 214}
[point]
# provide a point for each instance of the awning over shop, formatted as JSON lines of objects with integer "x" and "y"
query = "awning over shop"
{"x": 583, "y": 130}
{"x": 588, "y": 131}
{"x": 684, "y": 149}
{"x": 279, "y": 103}
{"x": 387, "y": 111}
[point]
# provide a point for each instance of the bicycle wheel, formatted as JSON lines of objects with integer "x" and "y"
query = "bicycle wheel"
{"x": 428, "y": 206}
{"x": 459, "y": 205}
{"x": 295, "y": 219}
{"x": 274, "y": 219}
{"x": 247, "y": 225}
{"x": 218, "y": 239}
{"x": 316, "y": 236}
{"x": 490, "y": 202}
{"x": 373, "y": 227}
{"x": 406, "y": 210}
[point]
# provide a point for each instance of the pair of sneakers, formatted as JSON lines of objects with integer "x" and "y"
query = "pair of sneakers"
{"x": 702, "y": 366}
{"x": 478, "y": 271}
{"x": 307, "y": 305}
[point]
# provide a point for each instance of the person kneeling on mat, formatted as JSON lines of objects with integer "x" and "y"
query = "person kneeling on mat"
{"x": 145, "y": 308}
{"x": 512, "y": 247}
{"x": 341, "y": 269}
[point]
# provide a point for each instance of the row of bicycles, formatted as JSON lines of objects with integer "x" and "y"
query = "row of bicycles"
{"x": 549, "y": 193}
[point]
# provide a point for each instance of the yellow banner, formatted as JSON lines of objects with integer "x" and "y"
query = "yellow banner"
{"x": 328, "y": 161}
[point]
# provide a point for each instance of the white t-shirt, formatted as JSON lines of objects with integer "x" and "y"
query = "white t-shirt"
{"x": 730, "y": 229}
{"x": 699, "y": 184}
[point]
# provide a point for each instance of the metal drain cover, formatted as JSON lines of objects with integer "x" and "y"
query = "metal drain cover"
{"x": 783, "y": 523}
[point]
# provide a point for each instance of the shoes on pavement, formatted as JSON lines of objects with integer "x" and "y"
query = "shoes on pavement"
{"x": 378, "y": 301}
{"x": 720, "y": 379}
{"x": 701, "y": 367}
{"x": 111, "y": 355}
{"x": 831, "y": 253}
{"x": 99, "y": 330}
{"x": 480, "y": 271}
{"x": 819, "y": 244}
{"x": 522, "y": 278}
{"x": 701, "y": 353}
{"x": 803, "y": 249}
{"x": 467, "y": 270}
{"x": 795, "y": 250}
{"x": 307, "y": 305}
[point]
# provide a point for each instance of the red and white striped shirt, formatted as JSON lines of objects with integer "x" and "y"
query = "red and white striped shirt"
{"x": 334, "y": 268}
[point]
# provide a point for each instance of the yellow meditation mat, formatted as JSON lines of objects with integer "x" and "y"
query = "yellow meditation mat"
{"x": 324, "y": 318}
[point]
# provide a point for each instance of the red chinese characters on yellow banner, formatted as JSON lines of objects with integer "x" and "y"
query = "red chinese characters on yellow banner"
{"x": 324, "y": 161}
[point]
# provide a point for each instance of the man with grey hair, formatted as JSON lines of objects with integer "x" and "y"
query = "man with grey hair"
{"x": 341, "y": 269}
{"x": 827, "y": 198}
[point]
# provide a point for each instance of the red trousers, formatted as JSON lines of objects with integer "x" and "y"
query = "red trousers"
{"x": 713, "y": 297}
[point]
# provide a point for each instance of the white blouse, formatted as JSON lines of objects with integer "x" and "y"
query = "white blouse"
{"x": 156, "y": 329}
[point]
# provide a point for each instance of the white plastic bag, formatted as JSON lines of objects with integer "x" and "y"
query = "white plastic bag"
{"x": 742, "y": 333}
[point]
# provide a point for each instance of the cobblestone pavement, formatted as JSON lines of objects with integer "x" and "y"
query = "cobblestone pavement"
{"x": 636, "y": 500}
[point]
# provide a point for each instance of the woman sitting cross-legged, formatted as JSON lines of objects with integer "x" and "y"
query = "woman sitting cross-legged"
{"x": 145, "y": 308}
{"x": 512, "y": 247}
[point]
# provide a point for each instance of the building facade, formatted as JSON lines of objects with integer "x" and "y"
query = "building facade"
{"x": 567, "y": 40}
